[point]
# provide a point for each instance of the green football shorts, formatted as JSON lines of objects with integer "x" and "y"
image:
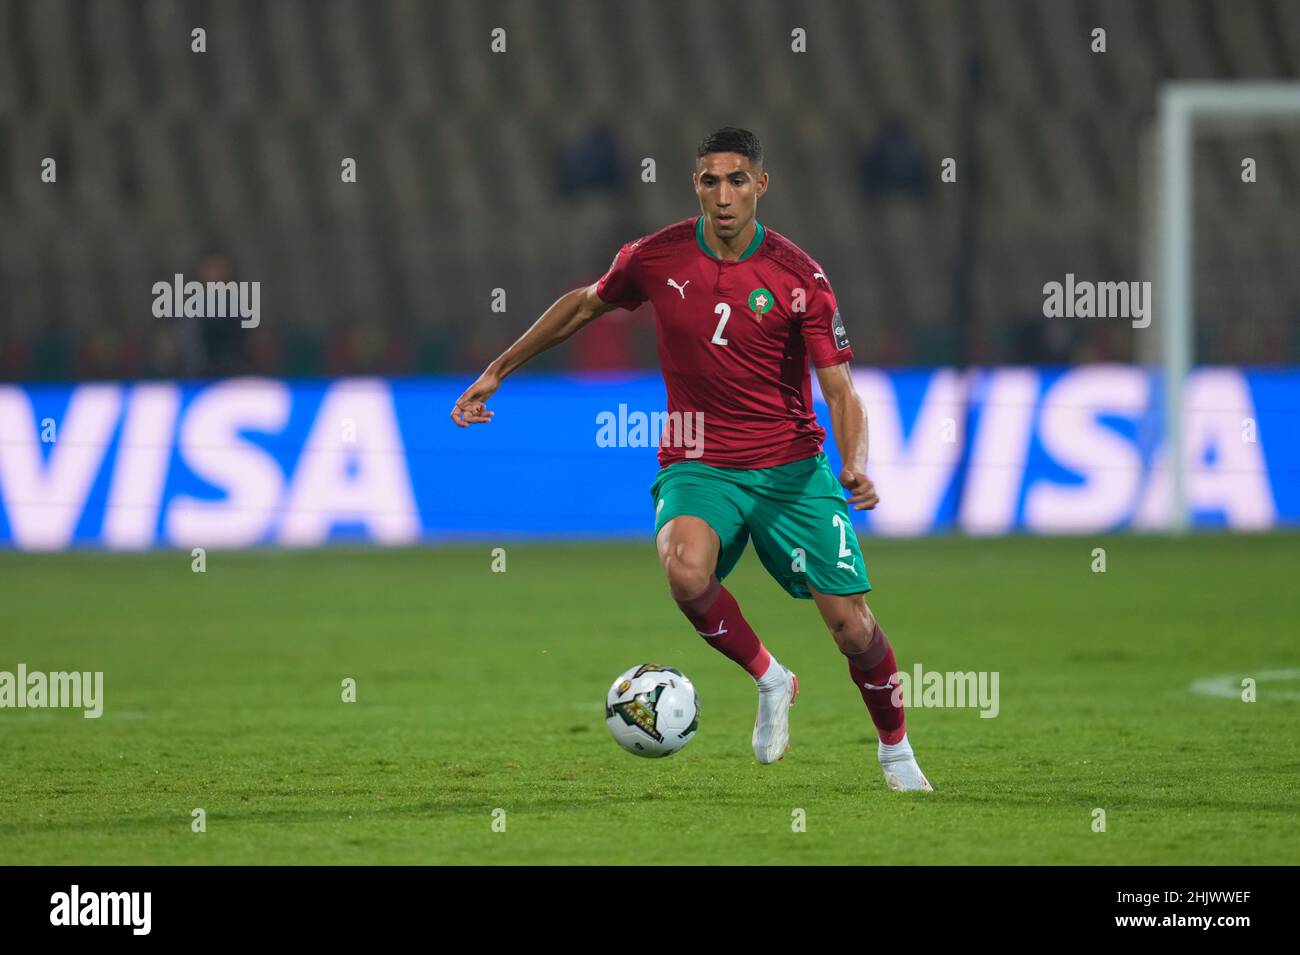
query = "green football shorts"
{"x": 796, "y": 513}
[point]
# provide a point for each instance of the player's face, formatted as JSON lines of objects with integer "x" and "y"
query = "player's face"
{"x": 728, "y": 185}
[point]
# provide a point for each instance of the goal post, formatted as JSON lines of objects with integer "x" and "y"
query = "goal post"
{"x": 1183, "y": 106}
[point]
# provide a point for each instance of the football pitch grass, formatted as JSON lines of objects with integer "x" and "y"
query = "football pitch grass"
{"x": 478, "y": 691}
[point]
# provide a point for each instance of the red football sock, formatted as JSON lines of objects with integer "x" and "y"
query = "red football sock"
{"x": 880, "y": 703}
{"x": 716, "y": 617}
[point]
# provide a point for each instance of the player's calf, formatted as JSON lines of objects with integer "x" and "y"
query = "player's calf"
{"x": 716, "y": 617}
{"x": 873, "y": 667}
{"x": 688, "y": 550}
{"x": 871, "y": 659}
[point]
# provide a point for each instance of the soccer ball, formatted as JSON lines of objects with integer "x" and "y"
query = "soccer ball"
{"x": 652, "y": 711}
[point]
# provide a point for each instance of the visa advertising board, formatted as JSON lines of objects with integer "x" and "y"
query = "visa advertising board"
{"x": 270, "y": 462}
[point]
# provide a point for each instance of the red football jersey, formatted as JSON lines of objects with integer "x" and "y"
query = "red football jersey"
{"x": 735, "y": 339}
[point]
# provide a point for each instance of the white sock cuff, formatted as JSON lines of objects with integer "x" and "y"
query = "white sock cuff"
{"x": 901, "y": 748}
{"x": 774, "y": 677}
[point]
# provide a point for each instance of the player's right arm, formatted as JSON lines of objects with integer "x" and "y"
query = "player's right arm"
{"x": 570, "y": 312}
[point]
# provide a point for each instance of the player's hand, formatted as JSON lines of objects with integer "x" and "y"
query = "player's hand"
{"x": 862, "y": 493}
{"x": 470, "y": 408}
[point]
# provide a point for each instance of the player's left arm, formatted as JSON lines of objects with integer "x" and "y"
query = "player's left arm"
{"x": 849, "y": 424}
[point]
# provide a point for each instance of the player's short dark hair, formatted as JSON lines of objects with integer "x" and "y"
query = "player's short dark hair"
{"x": 729, "y": 139}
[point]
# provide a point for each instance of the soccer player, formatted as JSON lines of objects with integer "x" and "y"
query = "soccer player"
{"x": 740, "y": 311}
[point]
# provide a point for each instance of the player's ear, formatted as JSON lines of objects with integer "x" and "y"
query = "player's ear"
{"x": 762, "y": 183}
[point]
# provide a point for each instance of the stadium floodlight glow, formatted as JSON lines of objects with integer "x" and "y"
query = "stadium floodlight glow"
{"x": 1183, "y": 105}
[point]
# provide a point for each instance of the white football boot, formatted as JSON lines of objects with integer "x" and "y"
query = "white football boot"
{"x": 776, "y": 692}
{"x": 899, "y": 764}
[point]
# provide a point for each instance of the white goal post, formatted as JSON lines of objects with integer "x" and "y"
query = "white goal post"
{"x": 1182, "y": 106}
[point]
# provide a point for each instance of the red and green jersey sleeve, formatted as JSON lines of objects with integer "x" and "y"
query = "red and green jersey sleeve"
{"x": 618, "y": 286}
{"x": 823, "y": 330}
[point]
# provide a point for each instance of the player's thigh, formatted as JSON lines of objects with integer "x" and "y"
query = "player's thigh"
{"x": 699, "y": 529}
{"x": 804, "y": 536}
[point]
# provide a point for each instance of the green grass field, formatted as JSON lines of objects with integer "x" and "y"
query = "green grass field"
{"x": 479, "y": 691}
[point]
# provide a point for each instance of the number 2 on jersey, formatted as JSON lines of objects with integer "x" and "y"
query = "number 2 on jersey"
{"x": 724, "y": 310}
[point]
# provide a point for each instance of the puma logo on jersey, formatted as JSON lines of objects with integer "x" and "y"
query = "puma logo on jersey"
{"x": 840, "y": 565}
{"x": 681, "y": 289}
{"x": 818, "y": 275}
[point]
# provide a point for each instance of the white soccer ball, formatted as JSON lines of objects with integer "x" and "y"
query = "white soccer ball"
{"x": 652, "y": 710}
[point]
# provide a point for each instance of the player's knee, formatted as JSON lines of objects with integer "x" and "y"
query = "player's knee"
{"x": 858, "y": 636}
{"x": 686, "y": 580}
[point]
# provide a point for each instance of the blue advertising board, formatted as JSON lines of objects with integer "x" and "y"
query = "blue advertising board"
{"x": 271, "y": 462}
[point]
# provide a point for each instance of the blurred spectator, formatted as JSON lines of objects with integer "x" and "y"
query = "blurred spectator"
{"x": 223, "y": 341}
{"x": 591, "y": 163}
{"x": 1034, "y": 339}
{"x": 894, "y": 163}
